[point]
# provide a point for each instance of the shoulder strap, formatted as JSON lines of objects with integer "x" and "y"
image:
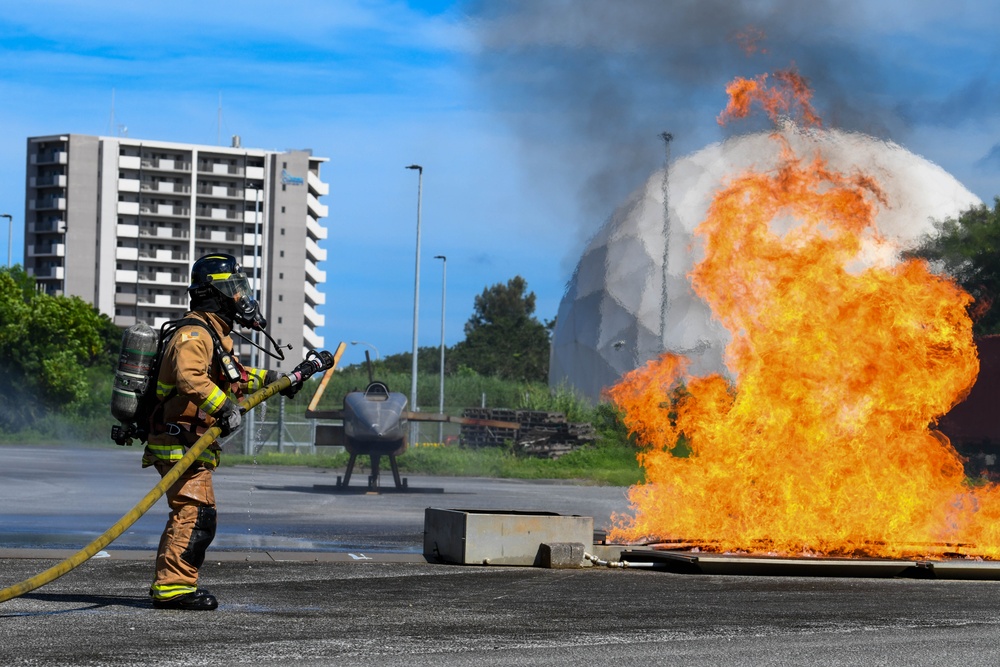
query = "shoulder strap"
{"x": 194, "y": 321}
{"x": 230, "y": 368}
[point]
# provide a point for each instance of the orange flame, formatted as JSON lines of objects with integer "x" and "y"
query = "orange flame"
{"x": 825, "y": 444}
{"x": 791, "y": 91}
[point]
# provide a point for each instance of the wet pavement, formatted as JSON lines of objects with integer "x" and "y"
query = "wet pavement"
{"x": 306, "y": 577}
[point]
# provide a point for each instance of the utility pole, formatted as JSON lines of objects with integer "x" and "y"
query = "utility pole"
{"x": 416, "y": 306}
{"x": 667, "y": 138}
{"x": 444, "y": 290}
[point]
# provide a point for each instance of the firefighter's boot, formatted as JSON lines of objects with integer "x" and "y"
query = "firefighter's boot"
{"x": 200, "y": 600}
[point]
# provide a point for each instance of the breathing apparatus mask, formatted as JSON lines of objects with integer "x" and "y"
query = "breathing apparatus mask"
{"x": 218, "y": 285}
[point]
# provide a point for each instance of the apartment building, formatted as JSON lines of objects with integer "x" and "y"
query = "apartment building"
{"x": 119, "y": 221}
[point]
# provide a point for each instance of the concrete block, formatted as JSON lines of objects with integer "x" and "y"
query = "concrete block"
{"x": 561, "y": 555}
{"x": 498, "y": 537}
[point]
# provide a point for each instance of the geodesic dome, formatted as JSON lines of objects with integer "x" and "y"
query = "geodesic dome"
{"x": 619, "y": 312}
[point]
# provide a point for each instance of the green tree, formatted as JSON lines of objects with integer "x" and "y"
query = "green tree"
{"x": 968, "y": 249}
{"x": 428, "y": 361}
{"x": 47, "y": 345}
{"x": 503, "y": 338}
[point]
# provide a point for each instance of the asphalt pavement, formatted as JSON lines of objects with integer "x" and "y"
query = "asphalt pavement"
{"x": 309, "y": 577}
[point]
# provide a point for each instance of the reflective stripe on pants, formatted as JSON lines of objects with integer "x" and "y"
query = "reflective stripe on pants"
{"x": 190, "y": 529}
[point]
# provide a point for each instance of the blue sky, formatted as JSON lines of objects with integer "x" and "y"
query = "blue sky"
{"x": 533, "y": 119}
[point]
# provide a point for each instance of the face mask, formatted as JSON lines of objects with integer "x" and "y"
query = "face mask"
{"x": 245, "y": 309}
{"x": 248, "y": 314}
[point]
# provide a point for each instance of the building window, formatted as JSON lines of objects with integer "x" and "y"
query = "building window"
{"x": 281, "y": 297}
{"x": 281, "y": 253}
{"x": 279, "y": 320}
{"x": 282, "y": 209}
{"x": 282, "y": 231}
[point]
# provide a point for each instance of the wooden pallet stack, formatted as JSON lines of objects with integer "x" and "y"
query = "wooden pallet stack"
{"x": 539, "y": 433}
{"x": 476, "y": 435}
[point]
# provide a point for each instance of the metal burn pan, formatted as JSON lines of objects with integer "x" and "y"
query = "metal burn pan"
{"x": 687, "y": 562}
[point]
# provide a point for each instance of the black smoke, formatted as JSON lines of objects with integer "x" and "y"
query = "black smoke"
{"x": 589, "y": 85}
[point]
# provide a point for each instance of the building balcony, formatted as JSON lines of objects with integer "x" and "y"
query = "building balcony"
{"x": 128, "y": 208}
{"x": 314, "y": 274}
{"x": 169, "y": 187}
{"x": 164, "y": 255}
{"x": 252, "y": 217}
{"x": 125, "y": 299}
{"x": 317, "y": 209}
{"x": 48, "y": 226}
{"x": 48, "y": 204}
{"x": 127, "y": 276}
{"x": 48, "y": 272}
{"x": 127, "y": 231}
{"x": 48, "y": 181}
{"x": 165, "y": 232}
{"x": 313, "y": 340}
{"x": 127, "y": 254}
{"x": 313, "y": 295}
{"x": 169, "y": 210}
{"x": 217, "y": 236}
{"x": 220, "y": 191}
{"x": 315, "y": 230}
{"x": 316, "y": 186}
{"x": 163, "y": 300}
{"x": 255, "y": 173}
{"x": 128, "y": 185}
{"x": 129, "y": 162}
{"x": 312, "y": 317}
{"x": 47, "y": 250}
{"x": 220, "y": 168}
{"x": 314, "y": 252}
{"x": 50, "y": 157}
{"x": 165, "y": 164}
{"x": 252, "y": 240}
{"x": 162, "y": 278}
{"x": 218, "y": 213}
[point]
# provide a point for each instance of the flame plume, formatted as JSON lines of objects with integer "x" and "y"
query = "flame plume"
{"x": 842, "y": 361}
{"x": 790, "y": 92}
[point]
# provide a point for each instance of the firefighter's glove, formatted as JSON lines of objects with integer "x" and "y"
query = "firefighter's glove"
{"x": 289, "y": 392}
{"x": 229, "y": 418}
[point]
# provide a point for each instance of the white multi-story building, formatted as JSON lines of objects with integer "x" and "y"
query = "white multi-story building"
{"x": 119, "y": 221}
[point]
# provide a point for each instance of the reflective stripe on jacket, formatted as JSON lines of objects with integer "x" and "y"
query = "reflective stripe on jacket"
{"x": 193, "y": 389}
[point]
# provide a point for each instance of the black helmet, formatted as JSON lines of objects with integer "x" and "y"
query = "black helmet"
{"x": 218, "y": 285}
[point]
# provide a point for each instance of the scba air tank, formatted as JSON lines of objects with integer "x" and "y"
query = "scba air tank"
{"x": 135, "y": 362}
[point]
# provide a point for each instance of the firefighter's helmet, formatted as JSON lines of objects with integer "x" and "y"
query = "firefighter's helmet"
{"x": 219, "y": 285}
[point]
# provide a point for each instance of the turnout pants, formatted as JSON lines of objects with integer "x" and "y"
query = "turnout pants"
{"x": 190, "y": 529}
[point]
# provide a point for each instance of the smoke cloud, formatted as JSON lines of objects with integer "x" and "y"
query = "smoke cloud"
{"x": 589, "y": 85}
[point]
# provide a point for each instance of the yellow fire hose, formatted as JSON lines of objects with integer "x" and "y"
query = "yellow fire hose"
{"x": 150, "y": 499}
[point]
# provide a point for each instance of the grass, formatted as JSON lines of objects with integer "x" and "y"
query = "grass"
{"x": 603, "y": 464}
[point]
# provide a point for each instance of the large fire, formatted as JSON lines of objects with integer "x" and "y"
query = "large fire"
{"x": 843, "y": 362}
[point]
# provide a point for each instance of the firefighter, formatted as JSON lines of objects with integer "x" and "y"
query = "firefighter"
{"x": 198, "y": 386}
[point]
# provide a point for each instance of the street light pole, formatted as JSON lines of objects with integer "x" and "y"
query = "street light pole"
{"x": 10, "y": 234}
{"x": 416, "y": 304}
{"x": 251, "y": 426}
{"x": 361, "y": 342}
{"x": 444, "y": 291}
